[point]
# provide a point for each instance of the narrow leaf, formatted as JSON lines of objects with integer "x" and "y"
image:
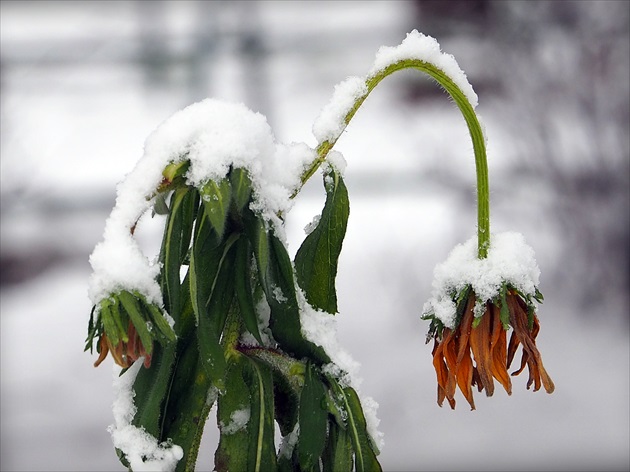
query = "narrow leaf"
{"x": 261, "y": 431}
{"x": 233, "y": 417}
{"x": 313, "y": 420}
{"x": 243, "y": 288}
{"x": 337, "y": 455}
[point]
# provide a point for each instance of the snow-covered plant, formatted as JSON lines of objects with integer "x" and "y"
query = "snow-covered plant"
{"x": 224, "y": 317}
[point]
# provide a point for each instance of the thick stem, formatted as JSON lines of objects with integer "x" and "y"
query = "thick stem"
{"x": 474, "y": 128}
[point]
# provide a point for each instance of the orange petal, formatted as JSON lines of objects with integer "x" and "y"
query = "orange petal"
{"x": 480, "y": 345}
{"x": 104, "y": 349}
{"x": 498, "y": 348}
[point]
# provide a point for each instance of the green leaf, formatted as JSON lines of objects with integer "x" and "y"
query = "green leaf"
{"x": 313, "y": 420}
{"x": 151, "y": 389}
{"x": 189, "y": 401}
{"x": 241, "y": 187}
{"x": 243, "y": 288}
{"x": 216, "y": 201}
{"x": 175, "y": 245}
{"x": 131, "y": 306}
{"x": 260, "y": 429}
{"x": 232, "y": 453}
{"x": 317, "y": 258}
{"x": 337, "y": 455}
{"x": 275, "y": 273}
{"x": 356, "y": 427}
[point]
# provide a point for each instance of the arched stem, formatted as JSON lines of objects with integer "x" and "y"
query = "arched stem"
{"x": 474, "y": 128}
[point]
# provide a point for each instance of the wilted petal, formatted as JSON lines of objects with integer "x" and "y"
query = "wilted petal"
{"x": 499, "y": 354}
{"x": 480, "y": 345}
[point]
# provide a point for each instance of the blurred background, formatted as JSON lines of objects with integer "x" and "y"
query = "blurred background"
{"x": 84, "y": 83}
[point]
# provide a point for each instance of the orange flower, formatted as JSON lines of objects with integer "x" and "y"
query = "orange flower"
{"x": 486, "y": 339}
{"x": 124, "y": 353}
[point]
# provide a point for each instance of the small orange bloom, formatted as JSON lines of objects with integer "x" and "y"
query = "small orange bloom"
{"x": 124, "y": 353}
{"x": 486, "y": 339}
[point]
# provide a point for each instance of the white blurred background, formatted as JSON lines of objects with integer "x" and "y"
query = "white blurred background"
{"x": 84, "y": 83}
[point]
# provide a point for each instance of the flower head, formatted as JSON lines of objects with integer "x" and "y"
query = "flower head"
{"x": 475, "y": 352}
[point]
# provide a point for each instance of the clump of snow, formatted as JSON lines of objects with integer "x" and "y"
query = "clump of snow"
{"x": 213, "y": 135}
{"x": 510, "y": 260}
{"x": 370, "y": 407}
{"x": 424, "y": 48}
{"x": 330, "y": 123}
{"x": 141, "y": 450}
{"x": 238, "y": 421}
{"x": 336, "y": 159}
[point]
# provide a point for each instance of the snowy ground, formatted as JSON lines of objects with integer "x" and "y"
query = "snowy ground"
{"x": 70, "y": 133}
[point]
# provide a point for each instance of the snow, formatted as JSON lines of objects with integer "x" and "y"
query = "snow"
{"x": 510, "y": 260}
{"x": 238, "y": 421}
{"x": 331, "y": 121}
{"x": 141, "y": 450}
{"x": 424, "y": 48}
{"x": 213, "y": 135}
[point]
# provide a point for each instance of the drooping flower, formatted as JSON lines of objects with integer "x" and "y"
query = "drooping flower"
{"x": 475, "y": 352}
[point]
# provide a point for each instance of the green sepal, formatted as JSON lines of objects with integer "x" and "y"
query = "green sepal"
{"x": 160, "y": 322}
{"x": 175, "y": 169}
{"x": 504, "y": 312}
{"x": 241, "y": 187}
{"x": 160, "y": 207}
{"x": 109, "y": 325}
{"x": 313, "y": 418}
{"x": 216, "y": 197}
{"x": 133, "y": 309}
{"x": 243, "y": 288}
{"x": 317, "y": 258}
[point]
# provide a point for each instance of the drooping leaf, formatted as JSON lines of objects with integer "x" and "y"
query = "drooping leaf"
{"x": 337, "y": 456}
{"x": 313, "y": 419}
{"x": 176, "y": 239}
{"x": 317, "y": 258}
{"x": 275, "y": 273}
{"x": 216, "y": 197}
{"x": 260, "y": 429}
{"x": 189, "y": 402}
{"x": 364, "y": 451}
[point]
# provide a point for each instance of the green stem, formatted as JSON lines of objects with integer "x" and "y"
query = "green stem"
{"x": 474, "y": 128}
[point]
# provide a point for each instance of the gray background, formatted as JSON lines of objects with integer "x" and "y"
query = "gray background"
{"x": 84, "y": 83}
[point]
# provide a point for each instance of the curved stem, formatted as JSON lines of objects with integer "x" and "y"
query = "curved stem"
{"x": 474, "y": 128}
